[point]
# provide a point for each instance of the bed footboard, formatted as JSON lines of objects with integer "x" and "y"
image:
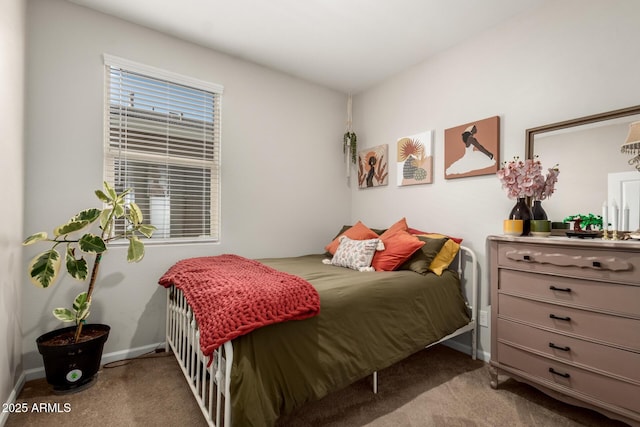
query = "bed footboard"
{"x": 208, "y": 377}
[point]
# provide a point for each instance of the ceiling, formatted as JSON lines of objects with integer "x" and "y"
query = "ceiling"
{"x": 347, "y": 45}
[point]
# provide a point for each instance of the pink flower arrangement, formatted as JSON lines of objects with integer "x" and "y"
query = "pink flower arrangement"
{"x": 525, "y": 179}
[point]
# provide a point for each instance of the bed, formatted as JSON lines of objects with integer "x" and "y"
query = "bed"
{"x": 367, "y": 322}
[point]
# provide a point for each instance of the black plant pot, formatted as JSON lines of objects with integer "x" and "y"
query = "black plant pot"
{"x": 73, "y": 367}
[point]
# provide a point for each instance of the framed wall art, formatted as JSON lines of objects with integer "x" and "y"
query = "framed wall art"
{"x": 472, "y": 149}
{"x": 415, "y": 159}
{"x": 373, "y": 166}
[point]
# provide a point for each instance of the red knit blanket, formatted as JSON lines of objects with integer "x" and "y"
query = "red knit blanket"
{"x": 231, "y": 296}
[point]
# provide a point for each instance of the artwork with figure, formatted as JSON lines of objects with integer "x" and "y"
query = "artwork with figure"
{"x": 373, "y": 166}
{"x": 415, "y": 159}
{"x": 472, "y": 149}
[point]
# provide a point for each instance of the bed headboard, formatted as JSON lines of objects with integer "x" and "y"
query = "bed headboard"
{"x": 466, "y": 264}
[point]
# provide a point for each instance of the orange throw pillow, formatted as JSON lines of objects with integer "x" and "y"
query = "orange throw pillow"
{"x": 358, "y": 232}
{"x": 399, "y": 245}
{"x": 400, "y": 225}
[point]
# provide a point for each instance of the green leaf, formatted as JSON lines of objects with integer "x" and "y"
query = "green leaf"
{"x": 136, "y": 249}
{"x": 80, "y": 310}
{"x": 81, "y": 302}
{"x": 104, "y": 221}
{"x": 91, "y": 243}
{"x": 118, "y": 208}
{"x": 81, "y": 305}
{"x": 69, "y": 227}
{"x": 124, "y": 193}
{"x": 77, "y": 268}
{"x": 43, "y": 268}
{"x": 64, "y": 314}
{"x": 78, "y": 222}
{"x": 135, "y": 214}
{"x": 82, "y": 315}
{"x": 103, "y": 197}
{"x": 146, "y": 229}
{"x": 89, "y": 215}
{"x": 36, "y": 237}
{"x": 110, "y": 191}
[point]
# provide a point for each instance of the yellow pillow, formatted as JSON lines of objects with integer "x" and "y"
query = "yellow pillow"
{"x": 445, "y": 257}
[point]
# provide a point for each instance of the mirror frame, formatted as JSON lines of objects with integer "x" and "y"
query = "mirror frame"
{"x": 531, "y": 133}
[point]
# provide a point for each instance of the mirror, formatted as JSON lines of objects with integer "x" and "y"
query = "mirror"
{"x": 587, "y": 150}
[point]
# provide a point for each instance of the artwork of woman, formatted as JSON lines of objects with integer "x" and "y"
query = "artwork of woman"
{"x": 372, "y": 170}
{"x": 476, "y": 156}
{"x": 372, "y": 167}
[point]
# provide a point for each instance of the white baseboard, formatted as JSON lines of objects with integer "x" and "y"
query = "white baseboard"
{"x": 4, "y": 416}
{"x": 35, "y": 373}
{"x": 131, "y": 353}
{"x": 463, "y": 348}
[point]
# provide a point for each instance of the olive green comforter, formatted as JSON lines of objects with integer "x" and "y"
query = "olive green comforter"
{"x": 367, "y": 321}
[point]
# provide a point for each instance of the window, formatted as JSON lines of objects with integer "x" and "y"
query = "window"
{"x": 162, "y": 140}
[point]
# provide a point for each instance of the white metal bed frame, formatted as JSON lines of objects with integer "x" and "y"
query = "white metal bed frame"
{"x": 209, "y": 378}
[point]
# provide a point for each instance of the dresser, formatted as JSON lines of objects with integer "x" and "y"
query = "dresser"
{"x": 565, "y": 318}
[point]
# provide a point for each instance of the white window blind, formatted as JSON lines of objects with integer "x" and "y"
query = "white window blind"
{"x": 163, "y": 141}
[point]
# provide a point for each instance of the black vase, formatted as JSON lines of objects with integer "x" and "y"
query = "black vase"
{"x": 522, "y": 211}
{"x": 538, "y": 212}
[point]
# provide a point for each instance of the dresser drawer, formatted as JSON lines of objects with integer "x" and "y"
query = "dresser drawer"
{"x": 587, "y": 263}
{"x": 613, "y": 298}
{"x": 572, "y": 350}
{"x": 589, "y": 325}
{"x": 573, "y": 379}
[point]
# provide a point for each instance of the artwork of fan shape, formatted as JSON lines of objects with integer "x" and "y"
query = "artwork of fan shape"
{"x": 415, "y": 159}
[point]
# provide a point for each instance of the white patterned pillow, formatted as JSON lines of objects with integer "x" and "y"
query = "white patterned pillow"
{"x": 355, "y": 254}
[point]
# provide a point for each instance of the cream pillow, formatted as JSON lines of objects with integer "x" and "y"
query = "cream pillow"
{"x": 355, "y": 254}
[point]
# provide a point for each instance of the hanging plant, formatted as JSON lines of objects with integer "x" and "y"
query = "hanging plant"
{"x": 350, "y": 146}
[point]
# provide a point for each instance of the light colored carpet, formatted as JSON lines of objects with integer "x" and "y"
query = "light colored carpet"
{"x": 435, "y": 387}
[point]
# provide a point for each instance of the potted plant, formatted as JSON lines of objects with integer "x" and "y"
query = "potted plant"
{"x": 350, "y": 146}
{"x": 72, "y": 355}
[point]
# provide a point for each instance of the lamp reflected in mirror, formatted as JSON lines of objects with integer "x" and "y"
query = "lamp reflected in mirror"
{"x": 632, "y": 145}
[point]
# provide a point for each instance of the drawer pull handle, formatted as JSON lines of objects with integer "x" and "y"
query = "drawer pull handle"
{"x": 527, "y": 257}
{"x": 563, "y": 375}
{"x": 565, "y": 318}
{"x": 554, "y": 288}
{"x": 557, "y": 347}
{"x": 596, "y": 264}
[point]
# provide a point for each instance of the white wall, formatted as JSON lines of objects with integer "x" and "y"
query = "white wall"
{"x": 283, "y": 186}
{"x": 568, "y": 59}
{"x": 12, "y": 41}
